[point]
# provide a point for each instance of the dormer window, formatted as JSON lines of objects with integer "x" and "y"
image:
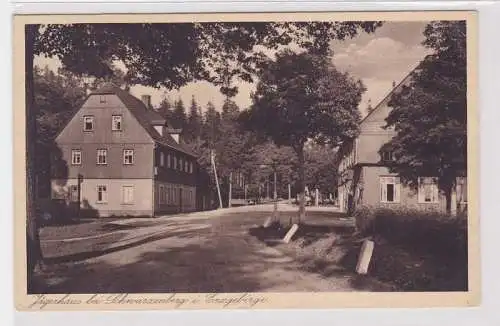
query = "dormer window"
{"x": 116, "y": 123}
{"x": 88, "y": 123}
{"x": 387, "y": 156}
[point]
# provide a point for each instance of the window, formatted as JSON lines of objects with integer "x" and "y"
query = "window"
{"x": 76, "y": 157}
{"x": 161, "y": 194}
{"x": 387, "y": 156}
{"x": 116, "y": 123}
{"x": 191, "y": 167}
{"x": 102, "y": 98}
{"x": 389, "y": 189}
{"x": 175, "y": 162}
{"x": 102, "y": 194}
{"x": 88, "y": 123}
{"x": 162, "y": 159}
{"x": 168, "y": 161}
{"x": 180, "y": 164}
{"x": 186, "y": 167}
{"x": 428, "y": 191}
{"x": 462, "y": 190}
{"x": 102, "y": 155}
{"x": 128, "y": 194}
{"x": 128, "y": 156}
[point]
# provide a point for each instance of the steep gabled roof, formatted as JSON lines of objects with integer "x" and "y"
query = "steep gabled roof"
{"x": 404, "y": 82}
{"x": 145, "y": 116}
{"x": 394, "y": 90}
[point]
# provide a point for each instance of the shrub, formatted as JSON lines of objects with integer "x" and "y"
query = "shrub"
{"x": 417, "y": 250}
{"x": 423, "y": 231}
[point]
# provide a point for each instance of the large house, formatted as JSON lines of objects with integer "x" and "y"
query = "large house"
{"x": 119, "y": 157}
{"x": 366, "y": 180}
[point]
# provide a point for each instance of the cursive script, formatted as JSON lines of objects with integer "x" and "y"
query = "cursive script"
{"x": 169, "y": 301}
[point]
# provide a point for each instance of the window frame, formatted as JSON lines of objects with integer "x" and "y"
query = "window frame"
{"x": 104, "y": 194}
{"x": 85, "y": 117}
{"x": 390, "y": 158}
{"x": 434, "y": 191}
{"x": 130, "y": 150}
{"x": 113, "y": 127}
{"x": 105, "y": 151}
{"x": 124, "y": 202}
{"x": 73, "y": 155}
{"x": 384, "y": 181}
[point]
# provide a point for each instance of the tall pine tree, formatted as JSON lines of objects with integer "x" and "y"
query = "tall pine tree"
{"x": 194, "y": 122}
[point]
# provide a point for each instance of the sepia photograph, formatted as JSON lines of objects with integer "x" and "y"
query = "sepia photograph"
{"x": 187, "y": 161}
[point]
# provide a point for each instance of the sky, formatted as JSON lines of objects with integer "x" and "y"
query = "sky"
{"x": 378, "y": 59}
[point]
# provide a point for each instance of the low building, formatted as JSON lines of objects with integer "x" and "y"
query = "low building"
{"x": 364, "y": 176}
{"x": 119, "y": 157}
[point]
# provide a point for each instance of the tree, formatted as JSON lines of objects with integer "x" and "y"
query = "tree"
{"x": 178, "y": 119}
{"x": 163, "y": 55}
{"x": 165, "y": 109}
{"x": 301, "y": 97}
{"x": 211, "y": 125}
{"x": 430, "y": 114}
{"x": 319, "y": 173}
{"x": 194, "y": 122}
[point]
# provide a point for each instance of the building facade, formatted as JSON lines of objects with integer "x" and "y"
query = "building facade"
{"x": 119, "y": 157}
{"x": 365, "y": 179}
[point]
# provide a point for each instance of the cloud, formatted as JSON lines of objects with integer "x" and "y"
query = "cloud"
{"x": 382, "y": 58}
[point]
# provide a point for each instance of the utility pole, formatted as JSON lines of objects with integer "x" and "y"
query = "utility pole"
{"x": 289, "y": 194}
{"x": 212, "y": 158}
{"x": 230, "y": 188}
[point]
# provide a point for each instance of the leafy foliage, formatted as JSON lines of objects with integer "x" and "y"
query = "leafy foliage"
{"x": 430, "y": 115}
{"x": 301, "y": 97}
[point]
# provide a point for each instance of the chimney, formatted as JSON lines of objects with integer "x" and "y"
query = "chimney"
{"x": 146, "y": 99}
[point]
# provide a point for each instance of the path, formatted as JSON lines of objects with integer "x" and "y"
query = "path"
{"x": 206, "y": 253}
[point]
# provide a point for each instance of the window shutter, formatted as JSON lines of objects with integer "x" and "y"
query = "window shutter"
{"x": 383, "y": 190}
{"x": 397, "y": 189}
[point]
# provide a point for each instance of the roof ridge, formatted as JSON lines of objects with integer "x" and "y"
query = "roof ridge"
{"x": 391, "y": 92}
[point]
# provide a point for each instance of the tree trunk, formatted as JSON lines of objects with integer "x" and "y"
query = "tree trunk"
{"x": 33, "y": 250}
{"x": 302, "y": 209}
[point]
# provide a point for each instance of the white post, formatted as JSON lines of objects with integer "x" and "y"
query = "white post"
{"x": 212, "y": 158}
{"x": 317, "y": 197}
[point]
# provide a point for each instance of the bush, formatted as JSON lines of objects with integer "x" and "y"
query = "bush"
{"x": 423, "y": 230}
{"x": 436, "y": 241}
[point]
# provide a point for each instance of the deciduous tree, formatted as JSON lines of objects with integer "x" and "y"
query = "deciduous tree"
{"x": 302, "y": 97}
{"x": 430, "y": 114}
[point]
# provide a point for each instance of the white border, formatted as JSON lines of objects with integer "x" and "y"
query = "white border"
{"x": 489, "y": 81}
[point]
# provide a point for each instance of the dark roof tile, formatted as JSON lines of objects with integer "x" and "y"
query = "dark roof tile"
{"x": 146, "y": 117}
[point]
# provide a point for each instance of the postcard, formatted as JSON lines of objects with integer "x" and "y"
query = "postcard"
{"x": 246, "y": 161}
